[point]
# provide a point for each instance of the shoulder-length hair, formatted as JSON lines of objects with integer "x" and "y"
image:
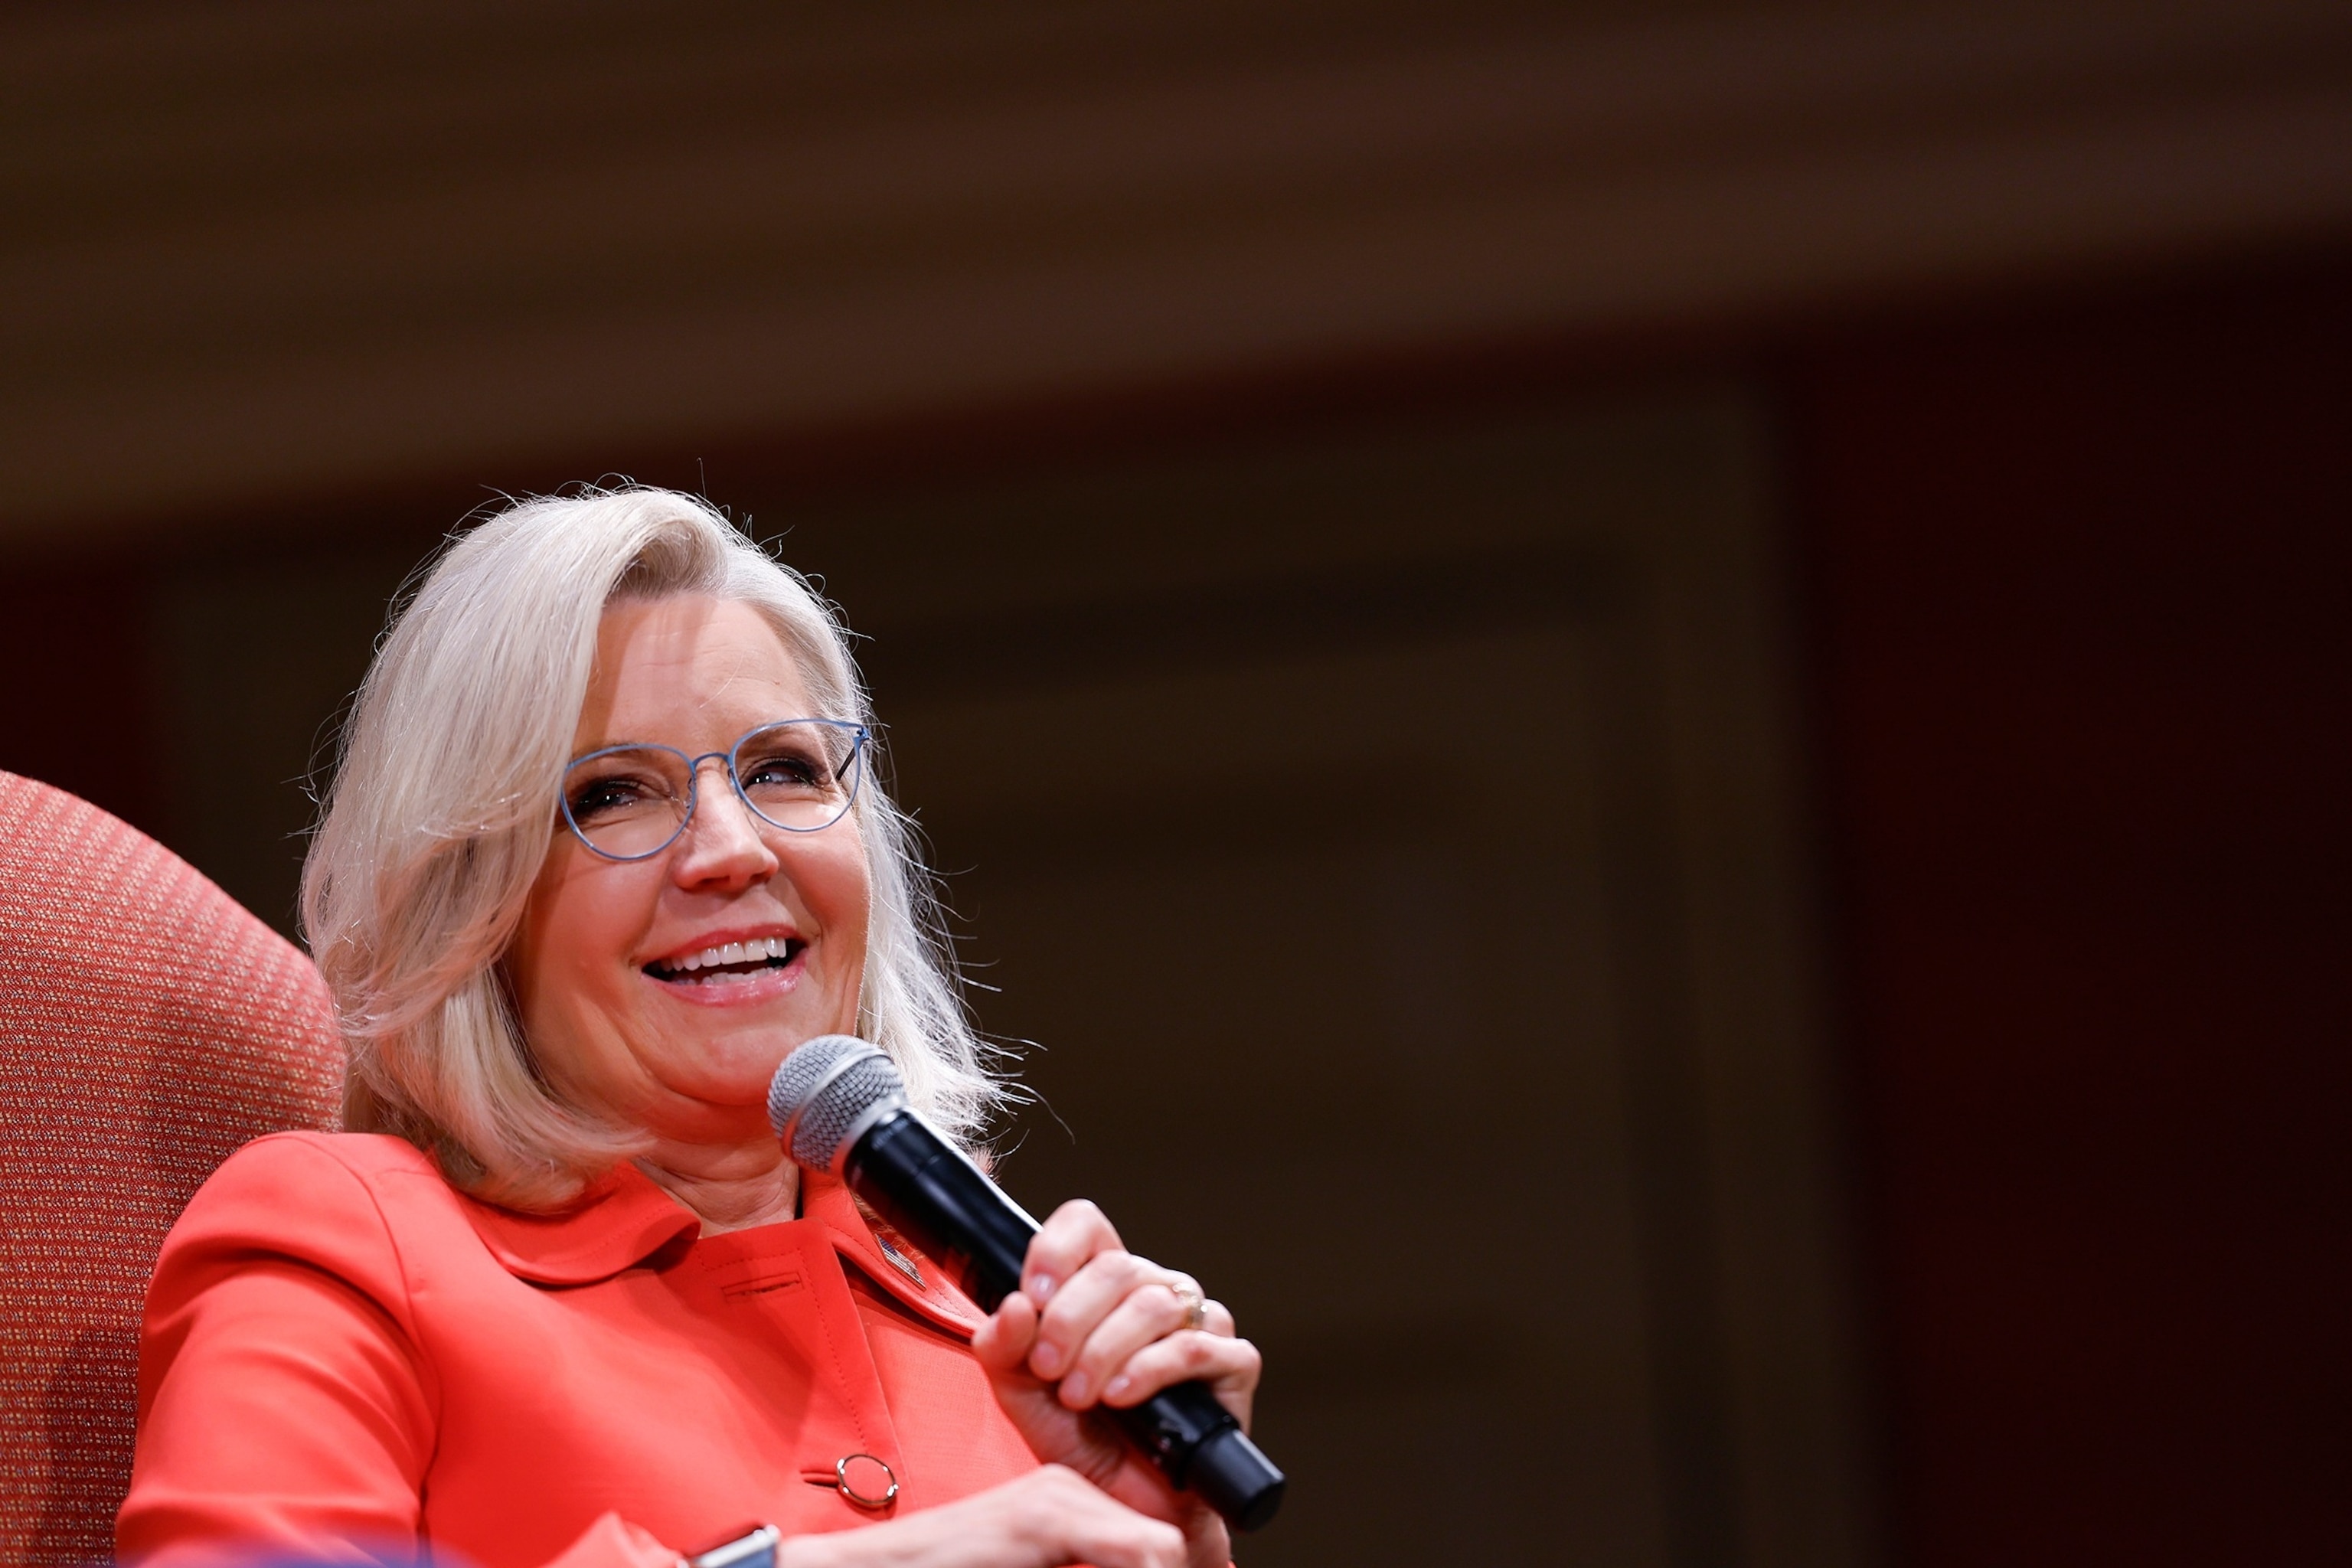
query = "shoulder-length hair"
{"x": 445, "y": 799}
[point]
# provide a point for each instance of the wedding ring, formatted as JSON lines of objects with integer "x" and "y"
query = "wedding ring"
{"x": 1195, "y": 1305}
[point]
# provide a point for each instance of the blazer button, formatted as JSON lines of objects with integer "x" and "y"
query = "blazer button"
{"x": 865, "y": 1482}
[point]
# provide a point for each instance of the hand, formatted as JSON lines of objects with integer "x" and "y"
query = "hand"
{"x": 1092, "y": 1325}
{"x": 1048, "y": 1519}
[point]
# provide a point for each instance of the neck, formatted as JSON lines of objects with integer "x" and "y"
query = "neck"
{"x": 727, "y": 1189}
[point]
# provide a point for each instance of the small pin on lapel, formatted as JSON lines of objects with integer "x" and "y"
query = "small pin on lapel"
{"x": 904, "y": 1263}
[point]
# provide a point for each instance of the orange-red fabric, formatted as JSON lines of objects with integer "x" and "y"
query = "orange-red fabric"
{"x": 148, "y": 1027}
{"x": 343, "y": 1357}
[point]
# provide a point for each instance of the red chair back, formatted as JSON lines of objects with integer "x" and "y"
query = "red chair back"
{"x": 148, "y": 1027}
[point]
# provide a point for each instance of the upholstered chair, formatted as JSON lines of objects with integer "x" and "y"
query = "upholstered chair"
{"x": 148, "y": 1027}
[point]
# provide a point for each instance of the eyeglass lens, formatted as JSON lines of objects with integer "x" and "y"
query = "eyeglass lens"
{"x": 629, "y": 802}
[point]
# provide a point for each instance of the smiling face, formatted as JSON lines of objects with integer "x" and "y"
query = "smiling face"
{"x": 663, "y": 992}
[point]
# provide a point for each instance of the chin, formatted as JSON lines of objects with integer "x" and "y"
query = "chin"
{"x": 746, "y": 1047}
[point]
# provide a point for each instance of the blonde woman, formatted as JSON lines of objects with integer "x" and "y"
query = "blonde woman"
{"x": 605, "y": 845}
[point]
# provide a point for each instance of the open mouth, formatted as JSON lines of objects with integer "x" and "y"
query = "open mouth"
{"x": 728, "y": 965}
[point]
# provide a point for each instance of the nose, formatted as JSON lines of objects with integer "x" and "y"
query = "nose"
{"x": 723, "y": 845}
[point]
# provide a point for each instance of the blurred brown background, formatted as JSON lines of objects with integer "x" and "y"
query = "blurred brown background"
{"x": 1647, "y": 704}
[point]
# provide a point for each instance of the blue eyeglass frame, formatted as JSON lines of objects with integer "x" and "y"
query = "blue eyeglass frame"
{"x": 858, "y": 735}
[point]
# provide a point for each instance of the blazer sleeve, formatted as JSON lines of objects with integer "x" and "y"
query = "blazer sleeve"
{"x": 285, "y": 1408}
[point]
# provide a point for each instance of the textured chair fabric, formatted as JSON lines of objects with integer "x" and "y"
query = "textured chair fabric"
{"x": 149, "y": 1027}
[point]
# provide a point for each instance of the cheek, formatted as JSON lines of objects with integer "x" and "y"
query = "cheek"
{"x": 839, "y": 893}
{"x": 562, "y": 954}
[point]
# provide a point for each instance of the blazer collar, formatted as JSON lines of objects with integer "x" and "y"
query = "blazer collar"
{"x": 620, "y": 1223}
{"x": 627, "y": 1219}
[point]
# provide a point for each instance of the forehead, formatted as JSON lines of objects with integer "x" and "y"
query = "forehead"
{"x": 687, "y": 672}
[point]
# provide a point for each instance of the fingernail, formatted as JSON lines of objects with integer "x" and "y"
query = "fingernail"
{"x": 1116, "y": 1386}
{"x": 1044, "y": 1359}
{"x": 1040, "y": 1289}
{"x": 1073, "y": 1388}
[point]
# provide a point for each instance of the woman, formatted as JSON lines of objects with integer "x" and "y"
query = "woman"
{"x": 605, "y": 847}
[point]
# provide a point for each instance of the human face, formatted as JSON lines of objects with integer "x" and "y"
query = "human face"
{"x": 616, "y": 1026}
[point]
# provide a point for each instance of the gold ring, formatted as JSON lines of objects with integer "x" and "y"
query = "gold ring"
{"x": 1195, "y": 1305}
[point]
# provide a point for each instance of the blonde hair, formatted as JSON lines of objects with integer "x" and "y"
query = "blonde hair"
{"x": 444, "y": 798}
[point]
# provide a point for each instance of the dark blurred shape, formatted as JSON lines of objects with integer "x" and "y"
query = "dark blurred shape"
{"x": 78, "y": 703}
{"x": 2083, "y": 585}
{"x": 256, "y": 652}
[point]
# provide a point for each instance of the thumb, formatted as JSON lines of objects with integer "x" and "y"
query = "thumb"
{"x": 1002, "y": 1342}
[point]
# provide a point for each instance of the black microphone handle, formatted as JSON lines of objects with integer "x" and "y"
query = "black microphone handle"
{"x": 926, "y": 1186}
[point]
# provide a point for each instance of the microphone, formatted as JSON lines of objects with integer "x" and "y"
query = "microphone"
{"x": 839, "y": 1105}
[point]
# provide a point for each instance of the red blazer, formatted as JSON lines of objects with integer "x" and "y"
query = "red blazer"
{"x": 343, "y": 1357}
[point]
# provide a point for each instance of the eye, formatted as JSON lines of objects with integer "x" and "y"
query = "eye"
{"x": 612, "y": 790}
{"x": 603, "y": 795}
{"x": 785, "y": 767}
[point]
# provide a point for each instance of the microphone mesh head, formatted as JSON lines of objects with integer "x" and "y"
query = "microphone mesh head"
{"x": 823, "y": 1091}
{"x": 802, "y": 1071}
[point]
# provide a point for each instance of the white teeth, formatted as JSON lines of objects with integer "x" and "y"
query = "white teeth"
{"x": 756, "y": 951}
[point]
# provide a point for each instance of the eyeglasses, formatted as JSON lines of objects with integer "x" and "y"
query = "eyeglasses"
{"x": 630, "y": 803}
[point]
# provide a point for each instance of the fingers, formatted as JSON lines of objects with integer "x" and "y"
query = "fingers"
{"x": 1061, "y": 1512}
{"x": 1101, "y": 1297}
{"x": 1069, "y": 1238}
{"x": 1046, "y": 1517}
{"x": 1231, "y": 1368}
{"x": 1112, "y": 1327}
{"x": 1007, "y": 1336}
{"x": 1153, "y": 1306}
{"x": 1076, "y": 1273}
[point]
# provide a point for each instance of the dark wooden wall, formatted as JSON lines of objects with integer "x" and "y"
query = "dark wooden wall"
{"x": 2082, "y": 601}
